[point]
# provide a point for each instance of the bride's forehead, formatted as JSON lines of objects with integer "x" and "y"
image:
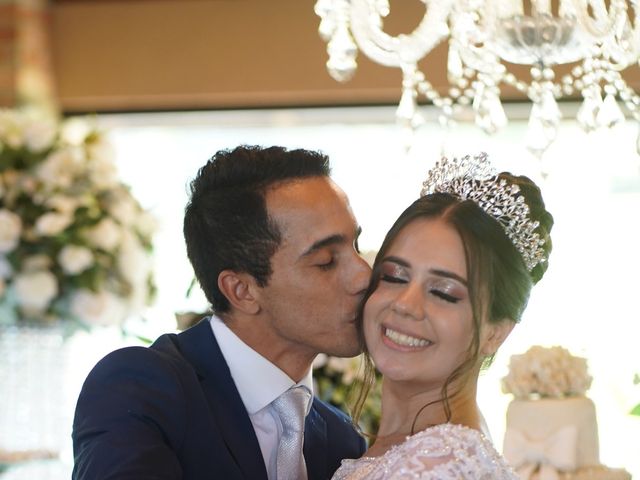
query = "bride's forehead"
{"x": 423, "y": 232}
{"x": 431, "y": 242}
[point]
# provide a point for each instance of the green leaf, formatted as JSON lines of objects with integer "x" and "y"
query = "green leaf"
{"x": 191, "y": 286}
{"x": 635, "y": 410}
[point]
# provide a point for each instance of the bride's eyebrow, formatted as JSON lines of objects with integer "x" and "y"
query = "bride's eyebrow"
{"x": 448, "y": 274}
{"x": 397, "y": 260}
{"x": 434, "y": 271}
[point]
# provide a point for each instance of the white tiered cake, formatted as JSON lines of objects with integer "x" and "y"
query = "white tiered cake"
{"x": 552, "y": 430}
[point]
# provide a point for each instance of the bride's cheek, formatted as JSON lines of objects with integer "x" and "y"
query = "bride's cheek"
{"x": 369, "y": 328}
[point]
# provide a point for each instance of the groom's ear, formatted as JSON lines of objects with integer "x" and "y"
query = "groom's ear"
{"x": 494, "y": 335}
{"x": 239, "y": 289}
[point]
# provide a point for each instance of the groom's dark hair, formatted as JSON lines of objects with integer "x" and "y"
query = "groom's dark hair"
{"x": 226, "y": 222}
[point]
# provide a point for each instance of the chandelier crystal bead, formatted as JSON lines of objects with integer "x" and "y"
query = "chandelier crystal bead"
{"x": 484, "y": 38}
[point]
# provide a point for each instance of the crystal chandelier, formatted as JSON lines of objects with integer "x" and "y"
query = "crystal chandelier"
{"x": 600, "y": 38}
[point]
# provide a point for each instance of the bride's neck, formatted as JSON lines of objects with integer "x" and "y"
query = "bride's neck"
{"x": 406, "y": 411}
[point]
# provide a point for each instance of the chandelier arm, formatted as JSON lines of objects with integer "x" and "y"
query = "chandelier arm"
{"x": 603, "y": 26}
{"x": 394, "y": 51}
{"x": 542, "y": 6}
{"x": 466, "y": 34}
{"x": 635, "y": 35}
{"x": 624, "y": 45}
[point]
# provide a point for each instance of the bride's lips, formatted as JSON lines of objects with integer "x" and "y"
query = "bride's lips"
{"x": 403, "y": 342}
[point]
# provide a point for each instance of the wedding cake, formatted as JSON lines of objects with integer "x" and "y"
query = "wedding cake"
{"x": 552, "y": 431}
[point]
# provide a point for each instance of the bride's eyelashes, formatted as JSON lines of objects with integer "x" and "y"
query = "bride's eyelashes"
{"x": 447, "y": 290}
{"x": 391, "y": 272}
{"x": 396, "y": 274}
{"x": 445, "y": 296}
{"x": 391, "y": 279}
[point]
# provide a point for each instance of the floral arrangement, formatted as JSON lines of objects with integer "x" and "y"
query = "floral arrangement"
{"x": 546, "y": 372}
{"x": 337, "y": 381}
{"x": 74, "y": 244}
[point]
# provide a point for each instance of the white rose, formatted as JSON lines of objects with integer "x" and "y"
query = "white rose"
{"x": 75, "y": 259}
{"x": 105, "y": 235}
{"x": 10, "y": 230}
{"x": 39, "y": 135}
{"x": 123, "y": 209}
{"x": 550, "y": 372}
{"x": 133, "y": 261}
{"x": 75, "y": 131}
{"x": 101, "y": 149}
{"x": 52, "y": 223}
{"x": 147, "y": 224}
{"x": 10, "y": 178}
{"x": 102, "y": 308}
{"x": 11, "y": 128}
{"x": 5, "y": 267}
{"x": 135, "y": 265}
{"x": 103, "y": 174}
{"x": 35, "y": 290}
{"x": 60, "y": 168}
{"x": 102, "y": 169}
{"x": 138, "y": 297}
{"x": 62, "y": 203}
{"x": 37, "y": 262}
{"x": 28, "y": 185}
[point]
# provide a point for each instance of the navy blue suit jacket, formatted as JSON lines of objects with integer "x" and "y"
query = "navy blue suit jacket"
{"x": 172, "y": 411}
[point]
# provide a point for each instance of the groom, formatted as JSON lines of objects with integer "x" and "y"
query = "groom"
{"x": 273, "y": 244}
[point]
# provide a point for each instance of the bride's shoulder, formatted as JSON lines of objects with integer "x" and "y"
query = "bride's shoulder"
{"x": 446, "y": 434}
{"x": 452, "y": 451}
{"x": 442, "y": 440}
{"x": 440, "y": 452}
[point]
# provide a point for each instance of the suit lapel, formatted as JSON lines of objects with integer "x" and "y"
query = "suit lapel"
{"x": 199, "y": 346}
{"x": 315, "y": 445}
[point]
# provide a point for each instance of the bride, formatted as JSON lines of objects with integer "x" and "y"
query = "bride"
{"x": 450, "y": 281}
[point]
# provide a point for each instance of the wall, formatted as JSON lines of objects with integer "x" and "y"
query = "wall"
{"x": 114, "y": 55}
{"x": 204, "y": 54}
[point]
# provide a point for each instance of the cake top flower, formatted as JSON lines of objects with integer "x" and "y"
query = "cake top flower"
{"x": 546, "y": 372}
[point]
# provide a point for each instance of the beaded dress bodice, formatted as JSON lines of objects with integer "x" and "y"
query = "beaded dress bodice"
{"x": 442, "y": 452}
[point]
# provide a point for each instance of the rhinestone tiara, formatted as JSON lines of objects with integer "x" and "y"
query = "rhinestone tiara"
{"x": 473, "y": 178}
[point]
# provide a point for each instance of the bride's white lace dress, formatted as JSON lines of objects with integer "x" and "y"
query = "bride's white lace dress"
{"x": 442, "y": 452}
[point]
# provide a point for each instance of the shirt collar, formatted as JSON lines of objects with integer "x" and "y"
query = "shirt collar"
{"x": 259, "y": 382}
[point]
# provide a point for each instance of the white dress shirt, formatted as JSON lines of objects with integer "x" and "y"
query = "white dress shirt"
{"x": 259, "y": 383}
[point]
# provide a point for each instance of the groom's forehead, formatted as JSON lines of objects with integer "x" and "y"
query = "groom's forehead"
{"x": 307, "y": 202}
{"x": 312, "y": 216}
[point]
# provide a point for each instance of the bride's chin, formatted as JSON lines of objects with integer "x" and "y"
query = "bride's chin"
{"x": 391, "y": 368}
